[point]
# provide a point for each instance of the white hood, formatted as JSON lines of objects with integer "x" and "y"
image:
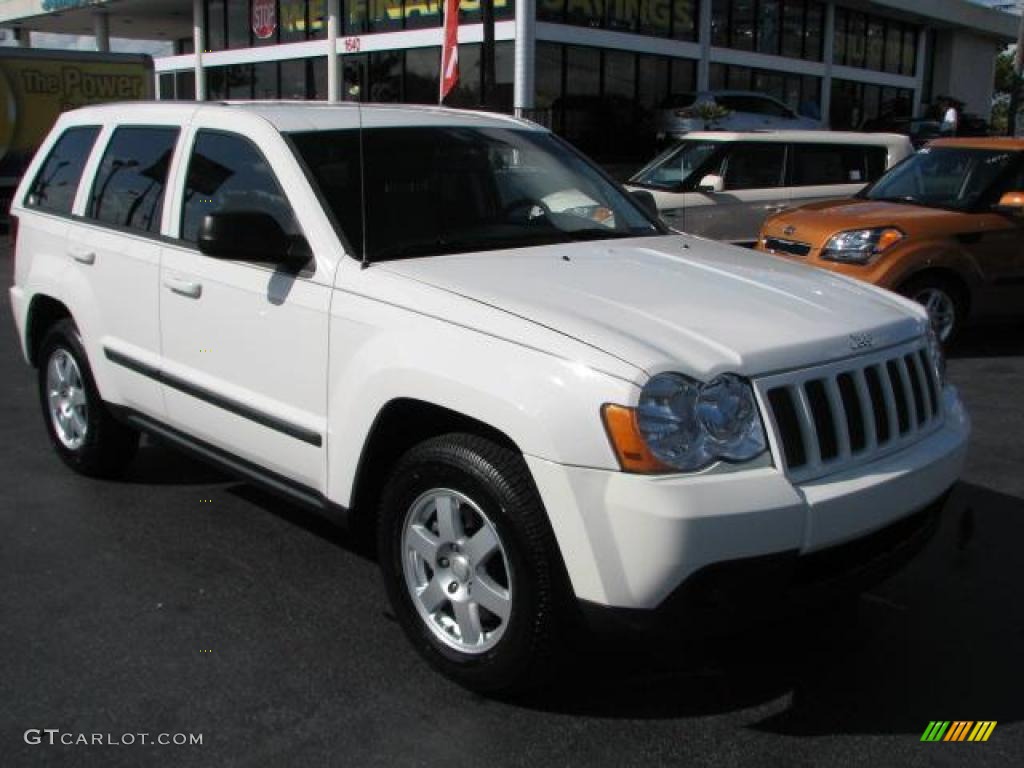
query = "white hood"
{"x": 678, "y": 302}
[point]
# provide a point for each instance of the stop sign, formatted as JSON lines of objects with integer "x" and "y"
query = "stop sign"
{"x": 264, "y": 18}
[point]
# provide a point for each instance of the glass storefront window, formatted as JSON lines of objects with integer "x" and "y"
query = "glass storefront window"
{"x": 872, "y": 42}
{"x": 421, "y": 75}
{"x": 620, "y": 74}
{"x": 909, "y": 58}
{"x": 265, "y": 82}
{"x": 239, "y": 21}
{"x": 317, "y": 15}
{"x": 292, "y": 20}
{"x": 768, "y": 24}
{"x": 548, "y": 75}
{"x": 216, "y": 31}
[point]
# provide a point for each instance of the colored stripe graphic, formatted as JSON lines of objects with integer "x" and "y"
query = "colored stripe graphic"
{"x": 982, "y": 730}
{"x": 958, "y": 730}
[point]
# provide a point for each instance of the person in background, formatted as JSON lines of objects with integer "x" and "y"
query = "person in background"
{"x": 950, "y": 118}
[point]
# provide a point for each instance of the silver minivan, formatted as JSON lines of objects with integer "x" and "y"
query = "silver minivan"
{"x": 723, "y": 185}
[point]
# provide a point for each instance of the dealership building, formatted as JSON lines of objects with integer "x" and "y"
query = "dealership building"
{"x": 594, "y": 70}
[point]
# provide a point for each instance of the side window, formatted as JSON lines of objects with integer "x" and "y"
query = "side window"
{"x": 876, "y": 159}
{"x": 822, "y": 164}
{"x": 228, "y": 173}
{"x": 755, "y": 166}
{"x": 56, "y": 183}
{"x": 129, "y": 186}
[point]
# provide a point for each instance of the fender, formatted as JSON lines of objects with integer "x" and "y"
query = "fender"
{"x": 381, "y": 352}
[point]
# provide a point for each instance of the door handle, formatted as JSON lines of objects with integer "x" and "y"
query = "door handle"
{"x": 184, "y": 287}
{"x": 82, "y": 256}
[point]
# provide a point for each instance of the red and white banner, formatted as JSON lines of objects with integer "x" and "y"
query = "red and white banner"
{"x": 264, "y": 18}
{"x": 450, "y": 48}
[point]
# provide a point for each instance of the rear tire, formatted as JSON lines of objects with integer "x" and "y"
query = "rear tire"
{"x": 945, "y": 300}
{"x": 470, "y": 563}
{"x": 83, "y": 433}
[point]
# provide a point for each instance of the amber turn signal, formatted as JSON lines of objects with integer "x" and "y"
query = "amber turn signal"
{"x": 627, "y": 442}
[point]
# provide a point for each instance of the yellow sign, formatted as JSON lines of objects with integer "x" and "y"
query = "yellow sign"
{"x": 34, "y": 91}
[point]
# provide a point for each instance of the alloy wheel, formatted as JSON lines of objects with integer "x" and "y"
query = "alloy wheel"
{"x": 65, "y": 394}
{"x": 456, "y": 570}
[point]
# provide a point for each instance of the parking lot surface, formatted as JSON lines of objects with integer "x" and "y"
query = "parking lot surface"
{"x": 177, "y": 600}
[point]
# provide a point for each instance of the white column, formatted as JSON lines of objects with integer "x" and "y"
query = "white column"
{"x": 23, "y": 37}
{"x": 333, "y": 61}
{"x": 199, "y": 45}
{"x": 828, "y": 54}
{"x": 101, "y": 29}
{"x": 525, "y": 63}
{"x": 704, "y": 38}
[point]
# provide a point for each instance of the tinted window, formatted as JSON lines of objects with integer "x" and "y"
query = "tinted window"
{"x": 56, "y": 183}
{"x": 755, "y": 166}
{"x": 129, "y": 186}
{"x": 433, "y": 190}
{"x": 944, "y": 177}
{"x": 815, "y": 164}
{"x": 228, "y": 173}
{"x": 676, "y": 165}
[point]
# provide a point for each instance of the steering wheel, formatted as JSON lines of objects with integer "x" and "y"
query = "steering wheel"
{"x": 527, "y": 205}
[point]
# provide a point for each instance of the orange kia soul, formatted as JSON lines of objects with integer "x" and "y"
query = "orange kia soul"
{"x": 944, "y": 227}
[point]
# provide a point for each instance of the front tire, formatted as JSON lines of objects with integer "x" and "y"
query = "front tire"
{"x": 944, "y": 300}
{"x": 83, "y": 433}
{"x": 470, "y": 563}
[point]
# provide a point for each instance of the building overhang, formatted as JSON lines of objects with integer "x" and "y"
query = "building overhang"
{"x": 171, "y": 19}
{"x": 133, "y": 19}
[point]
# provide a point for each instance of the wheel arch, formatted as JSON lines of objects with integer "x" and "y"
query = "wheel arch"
{"x": 947, "y": 274}
{"x": 399, "y": 425}
{"x": 43, "y": 312}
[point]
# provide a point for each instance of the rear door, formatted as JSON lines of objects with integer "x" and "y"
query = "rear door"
{"x": 831, "y": 171}
{"x": 753, "y": 174}
{"x": 116, "y": 243}
{"x": 245, "y": 343}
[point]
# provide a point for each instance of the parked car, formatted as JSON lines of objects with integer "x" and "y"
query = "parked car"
{"x": 724, "y": 185}
{"x": 681, "y": 114}
{"x": 453, "y": 328}
{"x": 945, "y": 227}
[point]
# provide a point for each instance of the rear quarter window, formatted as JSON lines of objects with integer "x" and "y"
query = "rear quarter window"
{"x": 56, "y": 184}
{"x": 829, "y": 164}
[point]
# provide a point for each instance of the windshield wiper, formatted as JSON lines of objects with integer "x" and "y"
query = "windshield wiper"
{"x": 906, "y": 199}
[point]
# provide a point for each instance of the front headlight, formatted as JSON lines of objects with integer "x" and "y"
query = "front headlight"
{"x": 936, "y": 355}
{"x": 682, "y": 424}
{"x": 859, "y": 246}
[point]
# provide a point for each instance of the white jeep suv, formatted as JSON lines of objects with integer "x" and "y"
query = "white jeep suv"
{"x": 454, "y": 327}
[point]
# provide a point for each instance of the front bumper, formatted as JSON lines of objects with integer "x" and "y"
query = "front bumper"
{"x": 633, "y": 542}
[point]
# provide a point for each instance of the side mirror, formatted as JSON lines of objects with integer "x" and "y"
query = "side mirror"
{"x": 252, "y": 236}
{"x": 711, "y": 183}
{"x": 1012, "y": 203}
{"x": 646, "y": 200}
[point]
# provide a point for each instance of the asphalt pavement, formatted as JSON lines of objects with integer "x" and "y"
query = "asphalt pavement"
{"x": 178, "y": 601}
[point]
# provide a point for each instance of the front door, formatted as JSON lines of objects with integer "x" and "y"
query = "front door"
{"x": 244, "y": 344}
{"x": 754, "y": 177}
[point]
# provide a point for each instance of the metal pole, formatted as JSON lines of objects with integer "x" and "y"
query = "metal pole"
{"x": 487, "y": 52}
{"x": 199, "y": 46}
{"x": 525, "y": 57}
{"x": 333, "y": 60}
{"x": 101, "y": 29}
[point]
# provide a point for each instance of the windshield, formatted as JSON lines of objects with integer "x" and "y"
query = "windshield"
{"x": 449, "y": 189}
{"x": 675, "y": 165}
{"x": 942, "y": 177}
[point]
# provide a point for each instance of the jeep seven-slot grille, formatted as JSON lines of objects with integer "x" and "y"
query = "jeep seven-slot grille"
{"x": 831, "y": 417}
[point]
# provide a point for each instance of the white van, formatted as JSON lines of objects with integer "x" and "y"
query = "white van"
{"x": 723, "y": 185}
